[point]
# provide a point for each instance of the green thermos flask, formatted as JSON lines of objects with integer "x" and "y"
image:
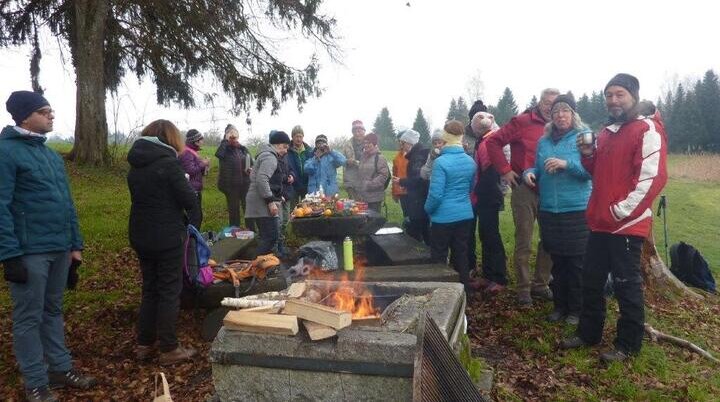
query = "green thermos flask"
{"x": 348, "y": 254}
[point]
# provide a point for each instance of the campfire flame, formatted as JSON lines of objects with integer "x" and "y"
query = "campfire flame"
{"x": 346, "y": 298}
{"x": 350, "y": 295}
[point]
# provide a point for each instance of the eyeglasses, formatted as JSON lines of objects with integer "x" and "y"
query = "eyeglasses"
{"x": 45, "y": 112}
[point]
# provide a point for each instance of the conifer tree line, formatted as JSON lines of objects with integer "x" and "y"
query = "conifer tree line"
{"x": 691, "y": 115}
{"x": 388, "y": 133}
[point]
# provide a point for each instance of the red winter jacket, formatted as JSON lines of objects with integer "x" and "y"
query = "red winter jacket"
{"x": 629, "y": 169}
{"x": 522, "y": 132}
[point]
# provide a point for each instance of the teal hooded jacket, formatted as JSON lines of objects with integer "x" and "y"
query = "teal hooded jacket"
{"x": 37, "y": 214}
{"x": 567, "y": 190}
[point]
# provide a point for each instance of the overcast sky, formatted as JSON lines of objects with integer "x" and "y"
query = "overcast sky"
{"x": 422, "y": 55}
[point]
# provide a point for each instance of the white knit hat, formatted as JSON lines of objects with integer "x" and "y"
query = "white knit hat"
{"x": 410, "y": 136}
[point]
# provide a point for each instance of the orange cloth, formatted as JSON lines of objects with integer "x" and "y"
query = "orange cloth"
{"x": 399, "y": 169}
{"x": 237, "y": 271}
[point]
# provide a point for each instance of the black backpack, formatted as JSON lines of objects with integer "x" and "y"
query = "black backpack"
{"x": 688, "y": 265}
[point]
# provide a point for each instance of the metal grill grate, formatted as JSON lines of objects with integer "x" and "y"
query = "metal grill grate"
{"x": 439, "y": 376}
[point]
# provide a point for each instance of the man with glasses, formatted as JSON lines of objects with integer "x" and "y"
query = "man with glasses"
{"x": 39, "y": 238}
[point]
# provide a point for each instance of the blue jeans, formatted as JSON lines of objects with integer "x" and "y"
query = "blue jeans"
{"x": 38, "y": 332}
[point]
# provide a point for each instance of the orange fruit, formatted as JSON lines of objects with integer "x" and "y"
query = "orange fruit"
{"x": 307, "y": 210}
{"x": 299, "y": 212}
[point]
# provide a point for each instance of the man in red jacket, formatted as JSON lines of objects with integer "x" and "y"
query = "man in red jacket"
{"x": 522, "y": 132}
{"x": 628, "y": 165}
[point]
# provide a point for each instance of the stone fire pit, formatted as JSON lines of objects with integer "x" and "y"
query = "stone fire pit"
{"x": 361, "y": 363}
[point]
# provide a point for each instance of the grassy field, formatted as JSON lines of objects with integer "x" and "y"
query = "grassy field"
{"x": 517, "y": 343}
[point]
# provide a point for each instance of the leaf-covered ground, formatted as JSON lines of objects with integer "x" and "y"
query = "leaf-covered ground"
{"x": 519, "y": 344}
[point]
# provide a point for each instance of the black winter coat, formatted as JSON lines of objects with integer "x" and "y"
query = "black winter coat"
{"x": 416, "y": 186}
{"x": 234, "y": 163}
{"x": 160, "y": 195}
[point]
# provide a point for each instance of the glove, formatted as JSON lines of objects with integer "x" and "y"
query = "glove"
{"x": 72, "y": 279}
{"x": 15, "y": 271}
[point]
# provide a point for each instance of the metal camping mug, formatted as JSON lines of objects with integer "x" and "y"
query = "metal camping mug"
{"x": 588, "y": 138}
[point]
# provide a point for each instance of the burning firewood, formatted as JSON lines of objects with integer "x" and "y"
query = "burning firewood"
{"x": 318, "y": 313}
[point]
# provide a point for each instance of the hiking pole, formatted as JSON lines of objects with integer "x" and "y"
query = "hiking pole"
{"x": 662, "y": 209}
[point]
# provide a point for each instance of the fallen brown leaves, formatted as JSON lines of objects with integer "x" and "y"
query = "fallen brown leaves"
{"x": 100, "y": 335}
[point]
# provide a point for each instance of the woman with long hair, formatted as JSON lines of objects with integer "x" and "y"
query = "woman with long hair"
{"x": 161, "y": 197}
{"x": 564, "y": 186}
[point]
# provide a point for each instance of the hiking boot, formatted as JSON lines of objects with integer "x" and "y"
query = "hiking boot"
{"x": 524, "y": 300}
{"x": 555, "y": 316}
{"x": 179, "y": 355}
{"x": 542, "y": 294}
{"x": 145, "y": 352}
{"x": 40, "y": 394}
{"x": 476, "y": 283}
{"x": 572, "y": 319}
{"x": 572, "y": 343}
{"x": 493, "y": 288}
{"x": 71, "y": 378}
{"x": 615, "y": 355}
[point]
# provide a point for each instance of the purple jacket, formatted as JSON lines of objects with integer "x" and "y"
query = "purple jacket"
{"x": 194, "y": 167}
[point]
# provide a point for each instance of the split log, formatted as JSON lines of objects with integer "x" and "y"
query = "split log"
{"x": 318, "y": 331}
{"x": 240, "y": 303}
{"x": 265, "y": 323}
{"x": 657, "y": 275}
{"x": 318, "y": 313}
{"x": 657, "y": 336}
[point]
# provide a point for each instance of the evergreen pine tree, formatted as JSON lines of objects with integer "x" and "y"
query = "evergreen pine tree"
{"x": 533, "y": 102}
{"x": 584, "y": 109}
{"x": 677, "y": 140}
{"x": 708, "y": 102}
{"x": 452, "y": 112}
{"x": 598, "y": 114}
{"x": 462, "y": 111}
{"x": 506, "y": 108}
{"x": 421, "y": 126}
{"x": 385, "y": 131}
{"x": 695, "y": 130}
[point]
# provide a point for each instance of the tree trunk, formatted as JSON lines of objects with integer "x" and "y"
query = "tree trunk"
{"x": 658, "y": 277}
{"x": 91, "y": 142}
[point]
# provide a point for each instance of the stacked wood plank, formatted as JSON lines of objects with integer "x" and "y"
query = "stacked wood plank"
{"x": 278, "y": 313}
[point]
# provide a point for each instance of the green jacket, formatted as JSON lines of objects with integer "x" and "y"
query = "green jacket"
{"x": 37, "y": 214}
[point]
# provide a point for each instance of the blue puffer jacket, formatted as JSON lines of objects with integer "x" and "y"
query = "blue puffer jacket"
{"x": 323, "y": 172}
{"x": 450, "y": 183}
{"x": 37, "y": 214}
{"x": 567, "y": 190}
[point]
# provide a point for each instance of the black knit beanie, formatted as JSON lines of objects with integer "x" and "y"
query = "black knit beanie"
{"x": 628, "y": 82}
{"x": 564, "y": 98}
{"x": 478, "y": 106}
{"x": 22, "y": 104}
{"x": 279, "y": 137}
